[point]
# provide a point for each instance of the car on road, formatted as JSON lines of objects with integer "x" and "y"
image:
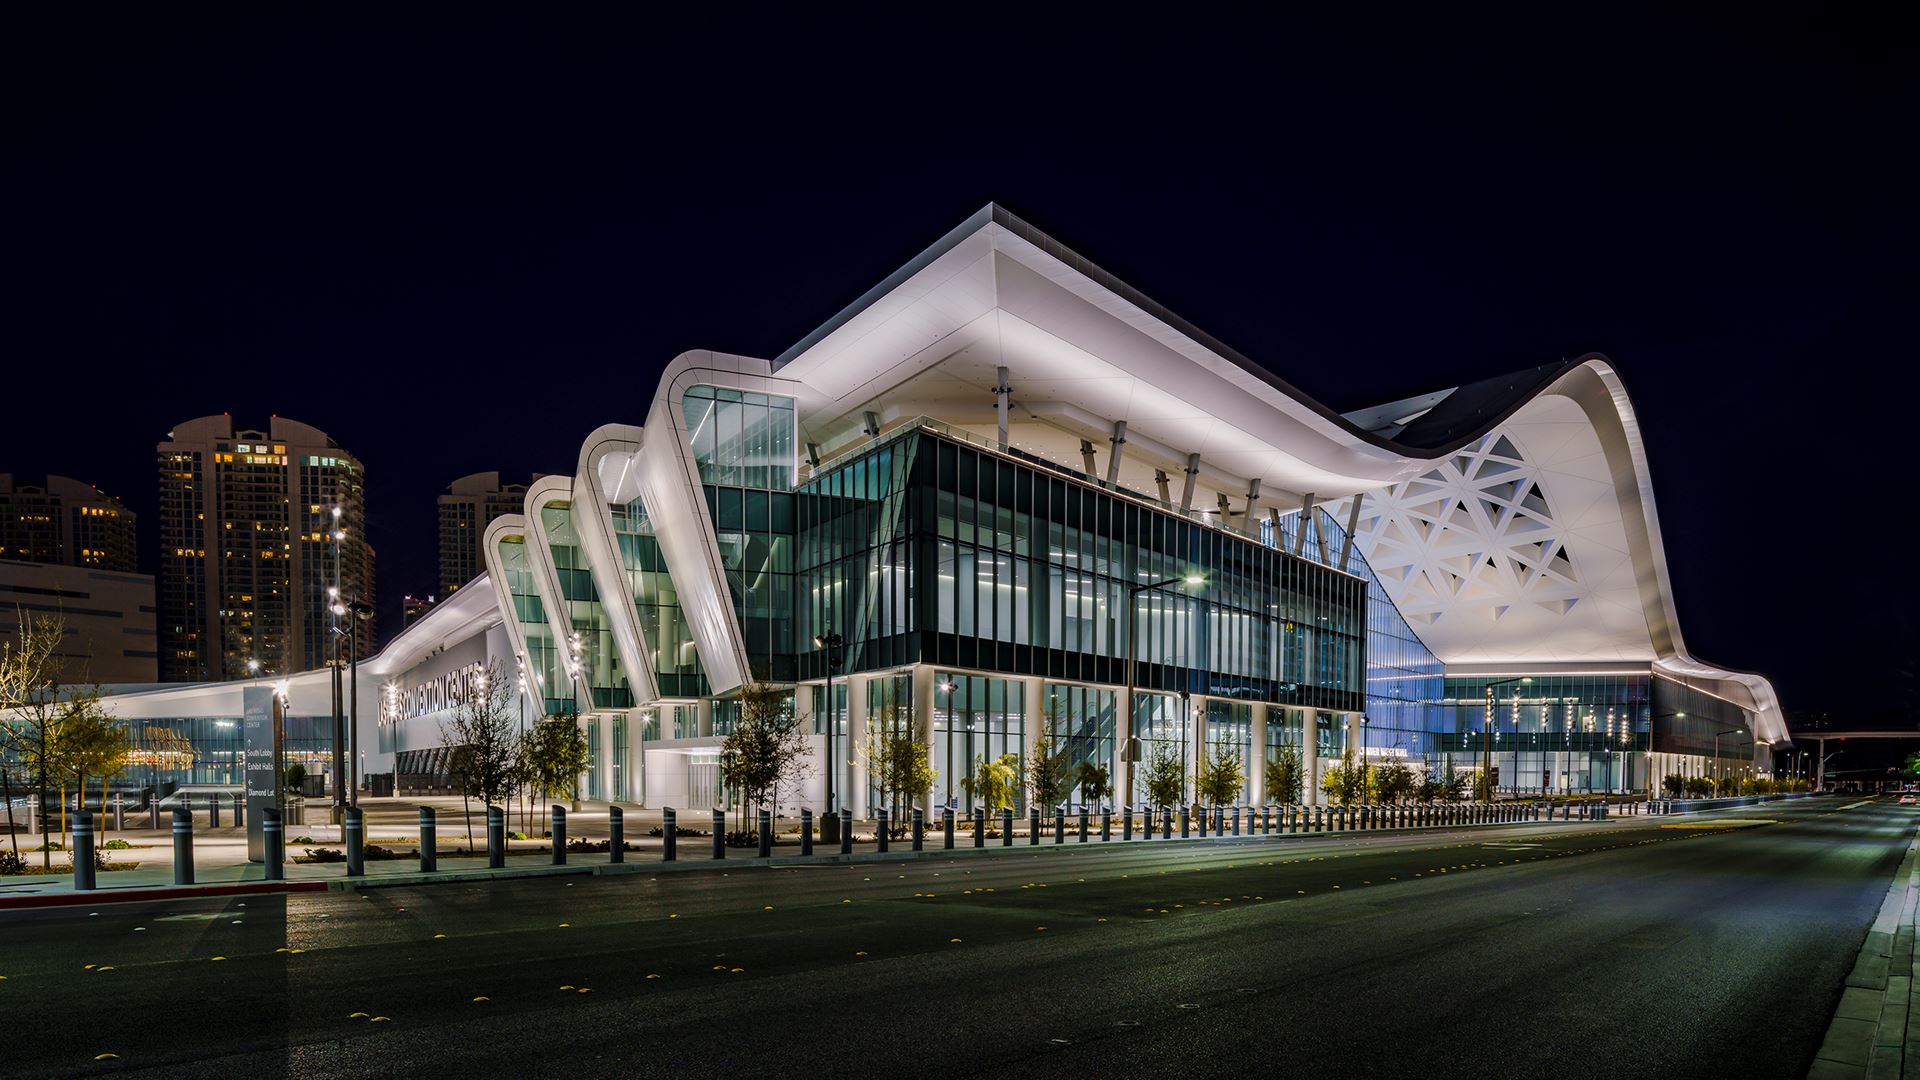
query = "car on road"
{"x": 1909, "y": 799}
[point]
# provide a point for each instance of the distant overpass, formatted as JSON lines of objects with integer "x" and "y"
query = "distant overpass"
{"x": 1820, "y": 753}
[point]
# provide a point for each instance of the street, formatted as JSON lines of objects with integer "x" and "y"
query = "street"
{"x": 1702, "y": 946}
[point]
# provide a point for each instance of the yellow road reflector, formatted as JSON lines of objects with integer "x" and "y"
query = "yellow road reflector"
{"x": 953, "y": 941}
{"x": 381, "y": 1020}
{"x": 861, "y": 952}
{"x": 89, "y": 967}
{"x": 566, "y": 986}
{"x": 769, "y": 907}
{"x": 437, "y": 937}
{"x": 653, "y": 976}
{"x": 482, "y": 998}
{"x": 584, "y": 990}
{"x": 737, "y": 971}
{"x": 564, "y": 925}
{"x": 219, "y": 958}
{"x": 106, "y": 1057}
{"x": 357, "y": 1016}
{"x": 296, "y": 951}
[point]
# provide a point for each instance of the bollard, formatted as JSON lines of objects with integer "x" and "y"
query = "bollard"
{"x": 1146, "y": 819}
{"x": 846, "y": 830}
{"x": 83, "y": 869}
{"x": 1266, "y": 820}
{"x": 616, "y": 834}
{"x": 1126, "y": 824}
{"x": 356, "y": 842}
{"x": 153, "y": 811}
{"x": 1083, "y": 825}
{"x": 213, "y": 811}
{"x": 979, "y": 826}
{"x": 1186, "y": 822}
{"x": 806, "y": 830}
{"x": 557, "y": 832}
{"x": 1006, "y": 826}
{"x": 766, "y": 834}
{"x": 719, "y": 833}
{"x": 119, "y": 812}
{"x": 1236, "y": 819}
{"x": 1166, "y": 824}
{"x": 429, "y": 841}
{"x": 239, "y": 810}
{"x": 1204, "y": 815}
{"x": 183, "y": 847}
{"x": 1059, "y": 824}
{"x": 496, "y": 838}
{"x": 946, "y": 827}
{"x": 1106, "y": 824}
{"x": 880, "y": 834}
{"x": 275, "y": 843}
{"x": 919, "y": 827}
{"x": 669, "y": 834}
{"x": 1033, "y": 825}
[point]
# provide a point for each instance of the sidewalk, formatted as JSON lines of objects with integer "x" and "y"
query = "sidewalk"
{"x": 221, "y": 866}
{"x": 1875, "y": 1032}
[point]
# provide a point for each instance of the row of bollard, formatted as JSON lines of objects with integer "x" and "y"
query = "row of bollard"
{"x": 1223, "y": 821}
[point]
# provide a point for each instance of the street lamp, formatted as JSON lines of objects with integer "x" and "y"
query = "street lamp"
{"x": 1124, "y": 781}
{"x": 1486, "y": 741}
{"x": 1719, "y": 773}
{"x": 355, "y": 611}
{"x": 830, "y": 643}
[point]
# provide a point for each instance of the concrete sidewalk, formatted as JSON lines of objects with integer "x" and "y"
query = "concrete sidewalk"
{"x": 1875, "y": 1032}
{"x": 220, "y": 855}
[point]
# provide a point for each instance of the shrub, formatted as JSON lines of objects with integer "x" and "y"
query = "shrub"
{"x": 744, "y": 838}
{"x": 1699, "y": 787}
{"x": 678, "y": 830}
{"x": 1674, "y": 785}
{"x": 116, "y": 845}
{"x": 323, "y": 854}
{"x": 11, "y": 863}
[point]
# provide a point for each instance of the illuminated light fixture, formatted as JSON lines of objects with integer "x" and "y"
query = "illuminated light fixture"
{"x": 1196, "y": 579}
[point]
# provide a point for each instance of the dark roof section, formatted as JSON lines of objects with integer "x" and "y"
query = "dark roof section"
{"x": 1475, "y": 408}
{"x": 1463, "y": 417}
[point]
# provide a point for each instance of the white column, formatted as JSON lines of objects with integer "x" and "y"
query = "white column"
{"x": 1198, "y": 756}
{"x": 606, "y": 758}
{"x": 1257, "y": 759}
{"x": 923, "y": 723}
{"x": 855, "y": 797}
{"x": 703, "y": 717}
{"x": 1310, "y": 755}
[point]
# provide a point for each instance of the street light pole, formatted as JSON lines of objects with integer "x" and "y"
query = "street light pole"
{"x": 1124, "y": 781}
{"x": 830, "y": 644}
{"x": 1719, "y": 774}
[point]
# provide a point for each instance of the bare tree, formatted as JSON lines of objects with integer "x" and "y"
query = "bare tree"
{"x": 480, "y": 737}
{"x": 767, "y": 753}
{"x": 29, "y": 665}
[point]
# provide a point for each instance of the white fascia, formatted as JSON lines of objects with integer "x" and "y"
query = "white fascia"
{"x": 544, "y": 492}
{"x": 615, "y": 447}
{"x": 498, "y": 530}
{"x": 669, "y": 481}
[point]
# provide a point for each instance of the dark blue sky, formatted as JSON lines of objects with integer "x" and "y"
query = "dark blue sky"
{"x": 458, "y": 240}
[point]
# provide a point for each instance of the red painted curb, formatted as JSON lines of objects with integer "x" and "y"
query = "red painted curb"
{"x": 176, "y": 892}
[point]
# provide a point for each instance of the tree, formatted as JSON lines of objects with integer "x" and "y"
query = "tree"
{"x": 1222, "y": 776}
{"x": 557, "y": 754}
{"x": 39, "y": 711}
{"x": 767, "y": 751}
{"x": 1165, "y": 776}
{"x": 994, "y": 783}
{"x": 899, "y": 765}
{"x": 1392, "y": 783}
{"x": 97, "y": 744}
{"x": 1481, "y": 783}
{"x": 1674, "y": 785}
{"x": 293, "y": 778}
{"x": 1049, "y": 769}
{"x": 479, "y": 734}
{"x": 1342, "y": 782}
{"x": 1092, "y": 779}
{"x": 1283, "y": 775}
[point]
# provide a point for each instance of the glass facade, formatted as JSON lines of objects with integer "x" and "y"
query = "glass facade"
{"x": 741, "y": 438}
{"x": 551, "y": 683}
{"x": 976, "y": 719}
{"x": 600, "y": 670}
{"x": 664, "y": 632}
{"x": 925, "y": 549}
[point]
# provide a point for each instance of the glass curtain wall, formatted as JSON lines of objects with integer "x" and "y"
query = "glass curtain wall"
{"x": 664, "y": 632}
{"x": 1082, "y": 720}
{"x": 551, "y": 684}
{"x": 741, "y": 438}
{"x": 1163, "y": 724}
{"x": 1554, "y": 734}
{"x": 1230, "y": 728}
{"x": 976, "y": 719}
{"x": 600, "y": 667}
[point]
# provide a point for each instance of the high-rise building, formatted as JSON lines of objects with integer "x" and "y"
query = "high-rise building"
{"x": 255, "y": 529}
{"x": 412, "y": 608}
{"x": 106, "y": 618}
{"x": 66, "y": 522}
{"x": 470, "y": 504}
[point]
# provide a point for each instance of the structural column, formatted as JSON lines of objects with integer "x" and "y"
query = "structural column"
{"x": 703, "y": 717}
{"x": 923, "y": 721}
{"x": 1257, "y": 759}
{"x": 605, "y": 728}
{"x": 1310, "y": 756}
{"x": 855, "y": 796}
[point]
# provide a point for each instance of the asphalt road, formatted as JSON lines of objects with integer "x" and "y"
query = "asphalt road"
{"x": 1621, "y": 949}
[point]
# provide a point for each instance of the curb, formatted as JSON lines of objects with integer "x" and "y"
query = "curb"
{"x": 1870, "y": 1035}
{"x": 699, "y": 865}
{"x": 142, "y": 894}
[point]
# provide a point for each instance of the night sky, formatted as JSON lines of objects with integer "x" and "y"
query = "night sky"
{"x": 458, "y": 241}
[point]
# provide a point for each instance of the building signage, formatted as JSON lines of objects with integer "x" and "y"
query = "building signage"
{"x": 439, "y": 684}
{"x": 260, "y": 745}
{"x": 442, "y": 692}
